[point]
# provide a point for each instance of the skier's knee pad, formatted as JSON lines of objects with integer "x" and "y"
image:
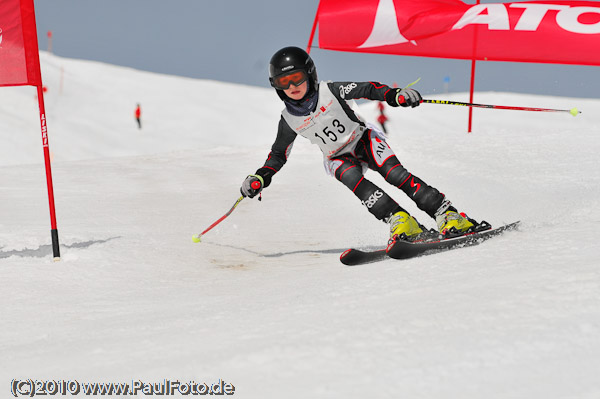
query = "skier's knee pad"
{"x": 393, "y": 172}
{"x": 349, "y": 173}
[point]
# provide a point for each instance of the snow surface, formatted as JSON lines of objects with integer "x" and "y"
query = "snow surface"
{"x": 263, "y": 302}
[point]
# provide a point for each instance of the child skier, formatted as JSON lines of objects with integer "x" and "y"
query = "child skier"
{"x": 320, "y": 113}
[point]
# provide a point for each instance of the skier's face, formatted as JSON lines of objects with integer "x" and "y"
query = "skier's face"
{"x": 296, "y": 92}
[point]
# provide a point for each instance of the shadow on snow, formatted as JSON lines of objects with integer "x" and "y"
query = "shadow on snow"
{"x": 299, "y": 251}
{"x": 46, "y": 250}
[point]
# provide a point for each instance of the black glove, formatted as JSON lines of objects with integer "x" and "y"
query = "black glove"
{"x": 252, "y": 186}
{"x": 404, "y": 98}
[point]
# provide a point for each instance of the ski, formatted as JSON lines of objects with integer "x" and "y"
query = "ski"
{"x": 406, "y": 250}
{"x": 354, "y": 257}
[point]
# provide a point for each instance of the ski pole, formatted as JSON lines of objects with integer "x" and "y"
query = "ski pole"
{"x": 197, "y": 237}
{"x": 572, "y": 111}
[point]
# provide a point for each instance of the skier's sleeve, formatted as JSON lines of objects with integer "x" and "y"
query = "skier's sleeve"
{"x": 361, "y": 90}
{"x": 279, "y": 152}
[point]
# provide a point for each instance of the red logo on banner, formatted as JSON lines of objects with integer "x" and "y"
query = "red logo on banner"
{"x": 518, "y": 32}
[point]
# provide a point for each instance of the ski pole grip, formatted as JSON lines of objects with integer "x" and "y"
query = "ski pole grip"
{"x": 255, "y": 185}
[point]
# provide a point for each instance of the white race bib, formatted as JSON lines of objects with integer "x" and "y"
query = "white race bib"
{"x": 328, "y": 126}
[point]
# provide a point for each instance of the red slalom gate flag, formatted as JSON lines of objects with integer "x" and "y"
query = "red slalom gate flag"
{"x": 562, "y": 32}
{"x": 19, "y": 55}
{"x": 19, "y": 66}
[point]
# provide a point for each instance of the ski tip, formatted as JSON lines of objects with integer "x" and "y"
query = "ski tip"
{"x": 355, "y": 257}
{"x": 344, "y": 259}
{"x": 196, "y": 238}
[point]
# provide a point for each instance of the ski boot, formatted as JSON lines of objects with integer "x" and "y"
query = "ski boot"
{"x": 404, "y": 227}
{"x": 451, "y": 223}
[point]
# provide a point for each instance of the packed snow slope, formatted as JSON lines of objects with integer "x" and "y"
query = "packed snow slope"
{"x": 263, "y": 302}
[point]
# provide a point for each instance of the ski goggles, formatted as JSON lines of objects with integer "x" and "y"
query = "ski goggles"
{"x": 283, "y": 82}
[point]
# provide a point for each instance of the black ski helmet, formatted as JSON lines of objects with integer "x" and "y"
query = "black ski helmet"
{"x": 290, "y": 59}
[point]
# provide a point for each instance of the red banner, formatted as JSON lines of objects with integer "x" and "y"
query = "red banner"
{"x": 562, "y": 32}
{"x": 19, "y": 56}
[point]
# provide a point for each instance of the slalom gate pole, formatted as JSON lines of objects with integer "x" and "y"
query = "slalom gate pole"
{"x": 44, "y": 129}
{"x": 314, "y": 28}
{"x": 572, "y": 111}
{"x": 198, "y": 237}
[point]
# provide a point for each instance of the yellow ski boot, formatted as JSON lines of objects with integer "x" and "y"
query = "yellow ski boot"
{"x": 404, "y": 227}
{"x": 453, "y": 224}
